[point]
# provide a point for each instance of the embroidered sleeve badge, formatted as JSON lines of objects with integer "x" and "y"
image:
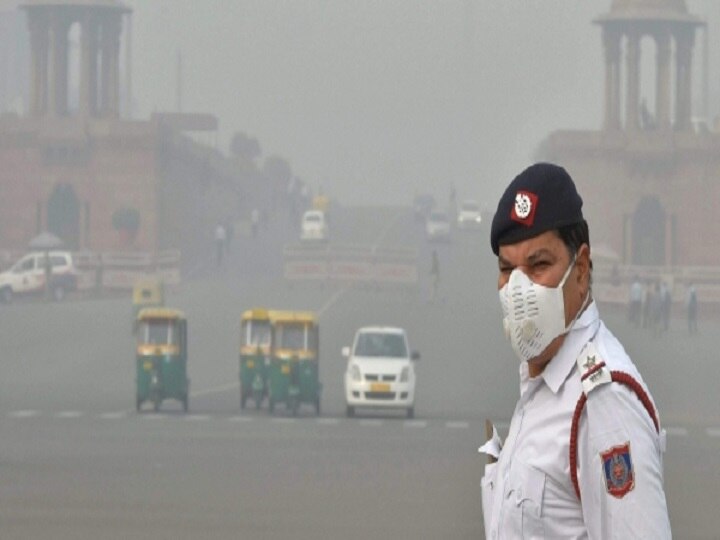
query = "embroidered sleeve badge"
{"x": 618, "y": 470}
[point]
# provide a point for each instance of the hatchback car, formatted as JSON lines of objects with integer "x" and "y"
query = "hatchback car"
{"x": 437, "y": 226}
{"x": 380, "y": 370}
{"x": 469, "y": 215}
{"x": 314, "y": 226}
{"x": 28, "y": 276}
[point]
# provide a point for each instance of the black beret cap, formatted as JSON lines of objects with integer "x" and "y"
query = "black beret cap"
{"x": 541, "y": 198}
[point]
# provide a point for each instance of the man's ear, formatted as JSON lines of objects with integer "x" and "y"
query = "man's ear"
{"x": 584, "y": 266}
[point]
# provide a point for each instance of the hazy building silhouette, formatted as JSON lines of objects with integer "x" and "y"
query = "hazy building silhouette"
{"x": 651, "y": 188}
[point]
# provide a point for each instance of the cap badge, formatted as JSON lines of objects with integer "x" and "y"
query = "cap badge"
{"x": 524, "y": 209}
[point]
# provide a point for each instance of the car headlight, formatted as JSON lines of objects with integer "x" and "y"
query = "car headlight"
{"x": 355, "y": 374}
{"x": 405, "y": 374}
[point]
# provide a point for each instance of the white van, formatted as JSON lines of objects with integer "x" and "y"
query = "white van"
{"x": 27, "y": 276}
{"x": 314, "y": 226}
{"x": 380, "y": 370}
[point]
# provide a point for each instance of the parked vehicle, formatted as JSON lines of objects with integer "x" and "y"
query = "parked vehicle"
{"x": 31, "y": 273}
{"x": 380, "y": 370}
{"x": 161, "y": 361}
{"x": 293, "y": 374}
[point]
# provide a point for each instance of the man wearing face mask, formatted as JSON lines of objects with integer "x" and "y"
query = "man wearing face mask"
{"x": 583, "y": 456}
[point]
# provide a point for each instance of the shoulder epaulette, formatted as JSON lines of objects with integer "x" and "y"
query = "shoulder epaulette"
{"x": 592, "y": 368}
{"x": 594, "y": 373}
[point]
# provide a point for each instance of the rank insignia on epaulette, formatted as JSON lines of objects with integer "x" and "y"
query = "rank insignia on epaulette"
{"x": 593, "y": 371}
{"x": 618, "y": 470}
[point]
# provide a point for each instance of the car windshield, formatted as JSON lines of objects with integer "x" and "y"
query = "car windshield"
{"x": 438, "y": 216}
{"x": 157, "y": 332}
{"x": 381, "y": 344}
{"x": 313, "y": 218}
{"x": 470, "y": 207}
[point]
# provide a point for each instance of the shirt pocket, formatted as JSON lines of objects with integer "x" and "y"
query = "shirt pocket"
{"x": 526, "y": 491}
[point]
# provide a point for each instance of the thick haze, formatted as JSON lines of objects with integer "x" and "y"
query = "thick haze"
{"x": 375, "y": 100}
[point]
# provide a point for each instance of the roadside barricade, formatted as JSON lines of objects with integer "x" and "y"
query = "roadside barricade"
{"x": 119, "y": 271}
{"x": 351, "y": 264}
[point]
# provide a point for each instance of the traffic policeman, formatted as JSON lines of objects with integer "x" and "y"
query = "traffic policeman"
{"x": 583, "y": 455}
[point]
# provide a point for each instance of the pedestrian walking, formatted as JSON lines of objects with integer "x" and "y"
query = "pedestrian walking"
{"x": 636, "y": 294}
{"x": 691, "y": 305}
{"x": 434, "y": 275}
{"x": 583, "y": 456}
{"x": 220, "y": 239}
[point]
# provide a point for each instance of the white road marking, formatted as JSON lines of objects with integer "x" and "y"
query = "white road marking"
{"x": 415, "y": 423}
{"x": 328, "y": 421}
{"x": 68, "y": 414}
{"x": 196, "y": 417}
{"x": 113, "y": 415}
{"x": 216, "y": 390}
{"x": 284, "y": 420}
{"x": 153, "y": 416}
{"x": 371, "y": 423}
{"x": 23, "y": 414}
{"x": 713, "y": 432}
{"x": 241, "y": 419}
{"x": 457, "y": 425}
{"x": 676, "y": 431}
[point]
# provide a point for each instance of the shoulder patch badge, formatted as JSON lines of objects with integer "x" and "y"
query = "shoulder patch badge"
{"x": 618, "y": 470}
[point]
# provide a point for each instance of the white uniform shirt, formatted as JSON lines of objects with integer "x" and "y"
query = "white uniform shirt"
{"x": 529, "y": 493}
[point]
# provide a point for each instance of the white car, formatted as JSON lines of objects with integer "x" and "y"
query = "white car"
{"x": 437, "y": 226}
{"x": 380, "y": 370}
{"x": 28, "y": 276}
{"x": 469, "y": 215}
{"x": 314, "y": 226}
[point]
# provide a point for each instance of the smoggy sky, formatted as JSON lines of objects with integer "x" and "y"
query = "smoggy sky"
{"x": 376, "y": 100}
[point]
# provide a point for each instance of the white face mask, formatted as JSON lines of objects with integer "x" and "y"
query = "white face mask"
{"x": 533, "y": 315}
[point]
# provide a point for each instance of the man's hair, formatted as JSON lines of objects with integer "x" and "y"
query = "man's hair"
{"x": 574, "y": 236}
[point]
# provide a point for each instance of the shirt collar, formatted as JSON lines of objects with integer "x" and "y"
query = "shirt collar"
{"x": 558, "y": 369}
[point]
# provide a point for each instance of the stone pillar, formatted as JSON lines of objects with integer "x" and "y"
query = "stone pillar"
{"x": 633, "y": 82}
{"x": 683, "y": 90}
{"x": 53, "y": 72}
{"x": 38, "y": 72}
{"x": 60, "y": 63}
{"x": 611, "y": 40}
{"x": 664, "y": 83}
{"x": 88, "y": 66}
{"x": 113, "y": 28}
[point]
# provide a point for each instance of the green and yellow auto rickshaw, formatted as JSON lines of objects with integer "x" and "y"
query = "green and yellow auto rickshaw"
{"x": 255, "y": 347}
{"x": 293, "y": 374}
{"x": 161, "y": 357}
{"x": 147, "y": 292}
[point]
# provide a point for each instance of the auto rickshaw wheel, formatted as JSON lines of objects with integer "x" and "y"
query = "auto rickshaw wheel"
{"x": 186, "y": 403}
{"x": 317, "y": 406}
{"x": 138, "y": 404}
{"x": 156, "y": 404}
{"x": 411, "y": 412}
{"x": 350, "y": 411}
{"x": 243, "y": 399}
{"x": 271, "y": 405}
